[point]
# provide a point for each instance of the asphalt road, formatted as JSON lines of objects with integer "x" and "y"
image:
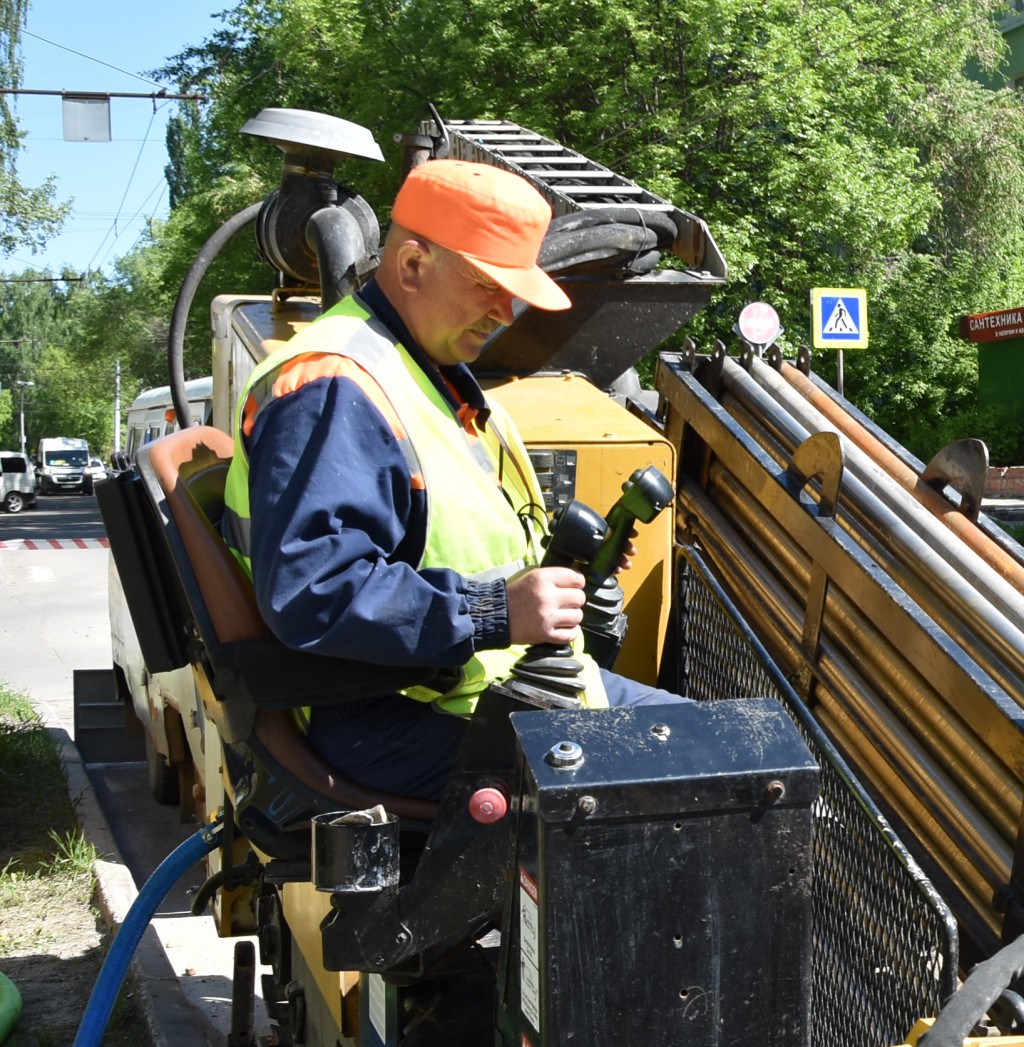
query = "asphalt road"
{"x": 58, "y": 516}
{"x": 54, "y": 624}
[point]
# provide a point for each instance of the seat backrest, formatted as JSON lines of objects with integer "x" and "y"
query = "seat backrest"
{"x": 190, "y": 467}
{"x": 184, "y": 474}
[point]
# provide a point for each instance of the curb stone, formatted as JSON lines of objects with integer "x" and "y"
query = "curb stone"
{"x": 171, "y": 1019}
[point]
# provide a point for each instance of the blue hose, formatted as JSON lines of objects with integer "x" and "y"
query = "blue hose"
{"x": 167, "y": 874}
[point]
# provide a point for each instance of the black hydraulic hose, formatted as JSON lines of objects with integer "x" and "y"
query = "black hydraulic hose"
{"x": 616, "y": 241}
{"x": 176, "y": 337}
{"x": 604, "y": 246}
{"x": 982, "y": 988}
{"x": 335, "y": 236}
{"x": 208, "y": 889}
{"x": 660, "y": 222}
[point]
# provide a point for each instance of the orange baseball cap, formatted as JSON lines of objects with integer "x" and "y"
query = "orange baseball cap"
{"x": 492, "y": 217}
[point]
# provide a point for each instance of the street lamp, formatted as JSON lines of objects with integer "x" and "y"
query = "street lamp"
{"x": 22, "y": 386}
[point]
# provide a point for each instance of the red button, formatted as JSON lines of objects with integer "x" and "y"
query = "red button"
{"x": 488, "y": 805}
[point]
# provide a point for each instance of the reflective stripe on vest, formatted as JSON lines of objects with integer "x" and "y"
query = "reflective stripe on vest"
{"x": 479, "y": 484}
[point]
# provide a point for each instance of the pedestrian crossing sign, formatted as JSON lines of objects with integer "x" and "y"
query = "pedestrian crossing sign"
{"x": 839, "y": 318}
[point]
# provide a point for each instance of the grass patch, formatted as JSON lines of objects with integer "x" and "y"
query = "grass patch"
{"x": 34, "y": 800}
{"x": 1015, "y": 531}
{"x": 52, "y": 939}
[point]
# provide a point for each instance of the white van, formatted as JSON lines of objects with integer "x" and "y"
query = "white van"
{"x": 17, "y": 482}
{"x": 61, "y": 463}
{"x": 152, "y": 413}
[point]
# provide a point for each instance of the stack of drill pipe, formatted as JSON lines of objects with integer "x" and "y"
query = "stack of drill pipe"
{"x": 926, "y": 703}
{"x": 959, "y": 591}
{"x": 987, "y": 540}
{"x": 973, "y": 602}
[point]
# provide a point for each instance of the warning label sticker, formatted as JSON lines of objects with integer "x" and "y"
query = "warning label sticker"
{"x": 378, "y": 1006}
{"x": 529, "y": 948}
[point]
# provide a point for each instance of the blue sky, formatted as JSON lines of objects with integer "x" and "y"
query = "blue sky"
{"x": 105, "y": 46}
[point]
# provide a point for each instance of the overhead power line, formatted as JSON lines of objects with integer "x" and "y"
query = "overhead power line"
{"x": 98, "y": 61}
{"x": 161, "y": 95}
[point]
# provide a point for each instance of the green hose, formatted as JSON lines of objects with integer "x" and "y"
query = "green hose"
{"x": 10, "y": 1006}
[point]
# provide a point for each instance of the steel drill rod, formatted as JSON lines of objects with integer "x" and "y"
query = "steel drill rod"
{"x": 991, "y": 580}
{"x": 896, "y": 757}
{"x": 943, "y": 584}
{"x": 904, "y": 764}
{"x": 921, "y": 542}
{"x": 976, "y": 826}
{"x": 989, "y": 712}
{"x": 975, "y": 892}
{"x": 987, "y": 707}
{"x": 1001, "y": 652}
{"x": 974, "y": 534}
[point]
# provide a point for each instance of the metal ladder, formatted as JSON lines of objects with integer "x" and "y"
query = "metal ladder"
{"x": 572, "y": 182}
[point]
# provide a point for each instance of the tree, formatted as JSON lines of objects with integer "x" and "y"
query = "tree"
{"x": 32, "y": 315}
{"x": 825, "y": 144}
{"x": 125, "y": 317}
{"x": 71, "y": 399}
{"x": 64, "y": 338}
{"x": 28, "y": 216}
{"x": 6, "y": 418}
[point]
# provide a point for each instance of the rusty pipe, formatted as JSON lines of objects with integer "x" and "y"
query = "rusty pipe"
{"x": 907, "y": 477}
{"x": 955, "y": 589}
{"x": 932, "y": 714}
{"x": 874, "y": 488}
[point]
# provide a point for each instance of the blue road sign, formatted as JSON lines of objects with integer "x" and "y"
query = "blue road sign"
{"x": 839, "y": 318}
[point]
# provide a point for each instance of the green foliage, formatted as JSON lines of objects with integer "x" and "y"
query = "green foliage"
{"x": 823, "y": 144}
{"x": 125, "y": 318}
{"x": 46, "y": 339}
{"x": 78, "y": 399}
{"x": 48, "y": 926}
{"x": 27, "y": 215}
{"x": 32, "y": 778}
{"x": 1001, "y": 427}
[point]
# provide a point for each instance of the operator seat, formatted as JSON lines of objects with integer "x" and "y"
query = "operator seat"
{"x": 256, "y": 682}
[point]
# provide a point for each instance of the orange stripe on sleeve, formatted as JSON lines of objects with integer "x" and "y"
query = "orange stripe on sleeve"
{"x": 312, "y": 366}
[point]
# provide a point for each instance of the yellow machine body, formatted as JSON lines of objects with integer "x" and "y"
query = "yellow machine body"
{"x": 915, "y": 1034}
{"x": 596, "y": 445}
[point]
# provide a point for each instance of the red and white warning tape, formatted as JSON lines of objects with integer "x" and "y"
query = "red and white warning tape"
{"x": 56, "y": 543}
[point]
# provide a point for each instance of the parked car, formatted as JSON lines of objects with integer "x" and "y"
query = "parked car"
{"x": 17, "y": 482}
{"x": 94, "y": 471}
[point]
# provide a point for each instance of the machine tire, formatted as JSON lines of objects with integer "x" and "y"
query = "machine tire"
{"x": 161, "y": 775}
{"x": 14, "y": 502}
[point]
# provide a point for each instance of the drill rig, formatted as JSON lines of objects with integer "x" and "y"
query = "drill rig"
{"x": 797, "y": 856}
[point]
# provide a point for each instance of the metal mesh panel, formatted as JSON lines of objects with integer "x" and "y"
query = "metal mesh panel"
{"x": 885, "y": 944}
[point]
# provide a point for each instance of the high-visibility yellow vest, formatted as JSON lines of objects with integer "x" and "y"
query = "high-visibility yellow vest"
{"x": 485, "y": 512}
